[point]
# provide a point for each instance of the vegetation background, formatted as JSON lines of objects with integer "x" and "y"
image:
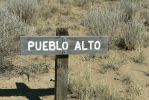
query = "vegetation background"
{"x": 121, "y": 74}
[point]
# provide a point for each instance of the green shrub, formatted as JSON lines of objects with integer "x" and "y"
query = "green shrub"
{"x": 25, "y": 9}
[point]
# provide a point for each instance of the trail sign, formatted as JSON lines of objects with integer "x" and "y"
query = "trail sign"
{"x": 63, "y": 45}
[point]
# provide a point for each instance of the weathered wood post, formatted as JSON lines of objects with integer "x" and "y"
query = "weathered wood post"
{"x": 61, "y": 70}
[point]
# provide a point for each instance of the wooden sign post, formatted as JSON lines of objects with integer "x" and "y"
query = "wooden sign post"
{"x": 62, "y": 45}
{"x": 61, "y": 71}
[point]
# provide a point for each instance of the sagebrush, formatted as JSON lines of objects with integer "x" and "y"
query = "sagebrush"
{"x": 134, "y": 35}
{"x": 25, "y": 9}
{"x": 11, "y": 28}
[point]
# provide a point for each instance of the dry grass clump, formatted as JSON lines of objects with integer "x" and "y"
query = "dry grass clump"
{"x": 31, "y": 70}
{"x": 83, "y": 88}
{"x": 25, "y": 9}
{"x": 132, "y": 88}
{"x": 140, "y": 57}
{"x": 50, "y": 8}
{"x": 112, "y": 63}
{"x": 146, "y": 73}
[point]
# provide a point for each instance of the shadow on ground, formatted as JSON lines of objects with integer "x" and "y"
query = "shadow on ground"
{"x": 23, "y": 90}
